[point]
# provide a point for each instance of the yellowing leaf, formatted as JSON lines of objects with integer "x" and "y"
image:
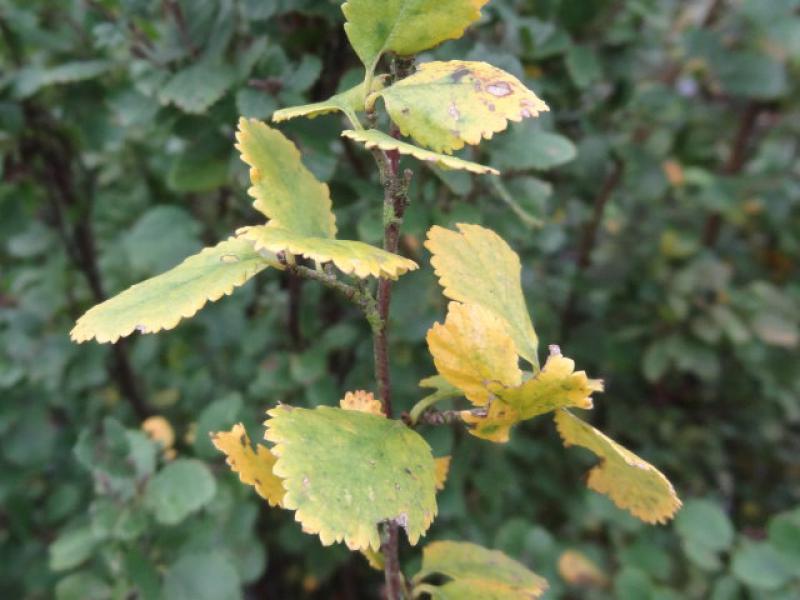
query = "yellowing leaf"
{"x": 159, "y": 430}
{"x": 579, "y": 570}
{"x": 377, "y": 139}
{"x": 632, "y": 483}
{"x": 447, "y": 104}
{"x": 556, "y": 386}
{"x": 254, "y": 468}
{"x": 162, "y": 301}
{"x": 405, "y": 27}
{"x": 363, "y": 401}
{"x": 442, "y": 469}
{"x": 374, "y": 558}
{"x": 476, "y": 266}
{"x": 472, "y": 349}
{"x": 353, "y": 258}
{"x": 477, "y": 573}
{"x": 346, "y": 471}
{"x": 284, "y": 189}
{"x": 349, "y": 102}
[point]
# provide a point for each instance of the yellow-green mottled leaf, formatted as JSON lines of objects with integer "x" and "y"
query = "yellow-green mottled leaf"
{"x": 254, "y": 468}
{"x": 477, "y": 573}
{"x": 349, "y": 102}
{"x": 346, "y": 471}
{"x": 405, "y": 27}
{"x": 162, "y": 301}
{"x": 284, "y": 189}
{"x": 632, "y": 483}
{"x": 447, "y": 104}
{"x": 374, "y": 558}
{"x": 557, "y": 385}
{"x": 377, "y": 139}
{"x": 353, "y": 258}
{"x": 476, "y": 266}
{"x": 471, "y": 349}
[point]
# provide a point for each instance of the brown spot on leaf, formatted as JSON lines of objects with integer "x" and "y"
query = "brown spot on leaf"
{"x": 457, "y": 76}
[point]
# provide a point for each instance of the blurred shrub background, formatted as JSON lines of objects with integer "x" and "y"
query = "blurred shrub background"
{"x": 656, "y": 209}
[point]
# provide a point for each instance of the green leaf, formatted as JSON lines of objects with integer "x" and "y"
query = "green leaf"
{"x": 784, "y": 535}
{"x": 83, "y": 585}
{"x": 704, "y": 523}
{"x": 377, "y": 139}
{"x": 285, "y": 191}
{"x": 632, "y": 483}
{"x": 405, "y": 27}
{"x": 351, "y": 257}
{"x": 346, "y": 471}
{"x": 160, "y": 238}
{"x": 30, "y": 80}
{"x": 583, "y": 65}
{"x": 475, "y": 265}
{"x": 205, "y": 576}
{"x": 161, "y": 302}
{"x": 71, "y": 548}
{"x": 179, "y": 489}
{"x": 447, "y": 104}
{"x": 195, "y": 88}
{"x": 349, "y": 102}
{"x": 477, "y": 573}
{"x": 528, "y": 147}
{"x": 759, "y": 565}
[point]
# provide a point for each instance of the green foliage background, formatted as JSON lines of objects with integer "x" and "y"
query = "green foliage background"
{"x": 655, "y": 209}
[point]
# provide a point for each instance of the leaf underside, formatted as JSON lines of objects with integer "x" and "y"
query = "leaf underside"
{"x": 472, "y": 349}
{"x": 445, "y": 105}
{"x": 346, "y": 471}
{"x": 254, "y": 467}
{"x": 478, "y": 573}
{"x": 285, "y": 191}
{"x": 476, "y": 266}
{"x": 349, "y": 102}
{"x": 556, "y": 386}
{"x": 405, "y": 27}
{"x": 378, "y": 139}
{"x": 350, "y": 257}
{"x": 632, "y": 483}
{"x": 161, "y": 302}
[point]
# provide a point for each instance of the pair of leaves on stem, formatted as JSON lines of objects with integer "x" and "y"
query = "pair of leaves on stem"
{"x": 442, "y": 106}
{"x": 477, "y": 350}
{"x": 342, "y": 470}
{"x": 301, "y": 223}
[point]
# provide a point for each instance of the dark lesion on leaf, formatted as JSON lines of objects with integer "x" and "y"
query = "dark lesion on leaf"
{"x": 458, "y": 75}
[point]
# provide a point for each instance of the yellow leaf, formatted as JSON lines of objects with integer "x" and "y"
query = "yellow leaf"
{"x": 405, "y": 27}
{"x": 475, "y": 265}
{"x": 159, "y": 430}
{"x": 284, "y": 189}
{"x": 555, "y": 386}
{"x": 447, "y": 104}
{"x": 363, "y": 401}
{"x": 632, "y": 483}
{"x": 471, "y": 349}
{"x": 254, "y": 468}
{"x": 374, "y": 558}
{"x": 349, "y": 102}
{"x": 579, "y": 570}
{"x": 377, "y": 139}
{"x": 475, "y": 573}
{"x": 162, "y": 301}
{"x": 442, "y": 469}
{"x": 354, "y": 258}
